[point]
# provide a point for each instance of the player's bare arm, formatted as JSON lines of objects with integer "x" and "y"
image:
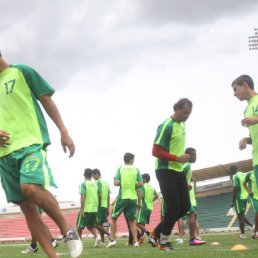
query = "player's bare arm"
{"x": 243, "y": 142}
{"x": 54, "y": 114}
{"x": 249, "y": 121}
{"x": 247, "y": 189}
{"x": 4, "y": 138}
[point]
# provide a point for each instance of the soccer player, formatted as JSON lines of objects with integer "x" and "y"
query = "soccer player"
{"x": 192, "y": 213}
{"x": 243, "y": 87}
{"x": 168, "y": 148}
{"x": 148, "y": 196}
{"x": 129, "y": 179}
{"x": 252, "y": 190}
{"x": 24, "y": 137}
{"x": 87, "y": 215}
{"x": 103, "y": 206}
{"x": 239, "y": 200}
{"x": 33, "y": 247}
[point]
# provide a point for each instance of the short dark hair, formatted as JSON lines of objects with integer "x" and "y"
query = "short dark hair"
{"x": 190, "y": 150}
{"x": 146, "y": 176}
{"x": 96, "y": 172}
{"x": 239, "y": 81}
{"x": 233, "y": 169}
{"x": 180, "y": 104}
{"x": 128, "y": 156}
{"x": 87, "y": 172}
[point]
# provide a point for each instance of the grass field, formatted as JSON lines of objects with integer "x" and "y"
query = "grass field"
{"x": 226, "y": 240}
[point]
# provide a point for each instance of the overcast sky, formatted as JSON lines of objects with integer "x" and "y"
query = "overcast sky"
{"x": 118, "y": 66}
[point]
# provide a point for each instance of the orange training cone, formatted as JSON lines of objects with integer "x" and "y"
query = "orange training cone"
{"x": 238, "y": 248}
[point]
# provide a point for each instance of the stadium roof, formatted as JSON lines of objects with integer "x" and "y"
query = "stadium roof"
{"x": 221, "y": 170}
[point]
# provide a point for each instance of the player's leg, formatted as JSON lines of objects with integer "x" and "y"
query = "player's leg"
{"x": 192, "y": 224}
{"x": 133, "y": 228}
{"x": 37, "y": 227}
{"x": 240, "y": 217}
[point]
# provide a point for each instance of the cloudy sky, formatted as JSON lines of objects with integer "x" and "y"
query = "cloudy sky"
{"x": 118, "y": 66}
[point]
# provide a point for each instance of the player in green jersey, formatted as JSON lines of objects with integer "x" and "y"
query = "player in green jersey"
{"x": 239, "y": 200}
{"x": 251, "y": 187}
{"x": 103, "y": 206}
{"x": 25, "y": 173}
{"x": 191, "y": 215}
{"x": 87, "y": 217}
{"x": 148, "y": 195}
{"x": 168, "y": 148}
{"x": 129, "y": 179}
{"x": 243, "y": 87}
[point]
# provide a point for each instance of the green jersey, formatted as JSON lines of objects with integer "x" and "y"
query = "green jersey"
{"x": 250, "y": 178}
{"x": 148, "y": 192}
{"x": 252, "y": 111}
{"x": 188, "y": 174}
{"x": 20, "y": 114}
{"x": 238, "y": 180}
{"x": 129, "y": 176}
{"x": 103, "y": 191}
{"x": 90, "y": 190}
{"x": 171, "y": 135}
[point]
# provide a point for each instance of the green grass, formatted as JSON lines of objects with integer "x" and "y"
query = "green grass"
{"x": 226, "y": 240}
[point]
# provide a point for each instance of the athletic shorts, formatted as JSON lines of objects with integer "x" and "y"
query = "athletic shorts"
{"x": 89, "y": 220}
{"x": 254, "y": 204}
{"x": 143, "y": 216}
{"x": 240, "y": 205}
{"x": 102, "y": 215}
{"x": 187, "y": 215}
{"x": 25, "y": 166}
{"x": 129, "y": 207}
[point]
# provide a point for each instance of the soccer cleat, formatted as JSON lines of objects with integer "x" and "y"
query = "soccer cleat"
{"x": 254, "y": 236}
{"x": 111, "y": 244}
{"x": 153, "y": 241}
{"x": 73, "y": 242}
{"x": 166, "y": 247}
{"x": 55, "y": 243}
{"x": 180, "y": 241}
{"x": 136, "y": 244}
{"x": 242, "y": 236}
{"x": 196, "y": 242}
{"x": 97, "y": 241}
{"x": 141, "y": 240}
{"x": 127, "y": 244}
{"x": 29, "y": 250}
{"x": 152, "y": 233}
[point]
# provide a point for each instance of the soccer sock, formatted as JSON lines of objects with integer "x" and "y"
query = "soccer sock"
{"x": 33, "y": 246}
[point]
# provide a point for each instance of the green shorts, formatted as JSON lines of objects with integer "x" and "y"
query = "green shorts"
{"x": 25, "y": 166}
{"x": 129, "y": 207}
{"x": 256, "y": 174}
{"x": 240, "y": 205}
{"x": 187, "y": 215}
{"x": 143, "y": 216}
{"x": 102, "y": 215}
{"x": 254, "y": 203}
{"x": 89, "y": 220}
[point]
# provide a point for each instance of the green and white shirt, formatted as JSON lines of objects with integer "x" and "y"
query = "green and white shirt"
{"x": 20, "y": 114}
{"x": 90, "y": 190}
{"x": 104, "y": 191}
{"x": 252, "y": 111}
{"x": 250, "y": 178}
{"x": 238, "y": 180}
{"x": 171, "y": 135}
{"x": 129, "y": 176}
{"x": 148, "y": 192}
{"x": 188, "y": 174}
